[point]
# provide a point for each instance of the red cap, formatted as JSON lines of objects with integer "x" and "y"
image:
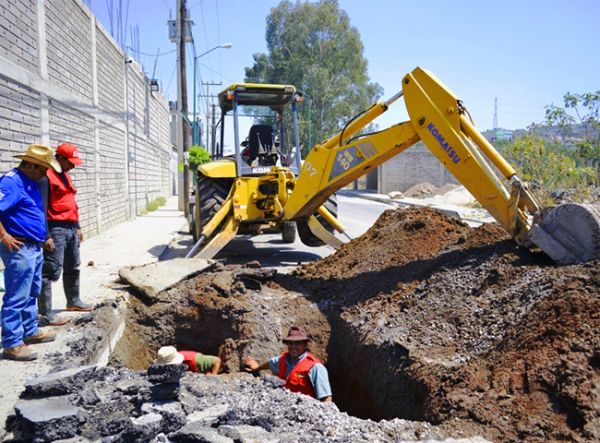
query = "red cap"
{"x": 295, "y": 334}
{"x": 69, "y": 151}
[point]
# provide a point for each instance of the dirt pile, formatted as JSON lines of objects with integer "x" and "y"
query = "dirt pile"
{"x": 437, "y": 329}
{"x": 460, "y": 322}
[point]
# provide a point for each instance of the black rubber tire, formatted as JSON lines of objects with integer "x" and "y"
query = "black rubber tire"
{"x": 288, "y": 232}
{"x": 210, "y": 195}
{"x": 306, "y": 235}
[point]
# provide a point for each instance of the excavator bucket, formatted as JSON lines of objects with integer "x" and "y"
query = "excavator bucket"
{"x": 569, "y": 233}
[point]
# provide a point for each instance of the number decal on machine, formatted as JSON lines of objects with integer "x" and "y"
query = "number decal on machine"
{"x": 312, "y": 171}
{"x": 345, "y": 159}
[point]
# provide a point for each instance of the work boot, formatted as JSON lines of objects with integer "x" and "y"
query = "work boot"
{"x": 44, "y": 335}
{"x": 19, "y": 353}
{"x": 77, "y": 304}
{"x": 52, "y": 320}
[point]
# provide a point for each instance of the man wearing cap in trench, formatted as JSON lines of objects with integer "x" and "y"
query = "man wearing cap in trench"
{"x": 22, "y": 233}
{"x": 301, "y": 370}
{"x": 61, "y": 249}
{"x": 195, "y": 361}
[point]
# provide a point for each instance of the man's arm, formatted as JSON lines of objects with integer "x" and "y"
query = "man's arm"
{"x": 320, "y": 380}
{"x": 251, "y": 365}
{"x": 8, "y": 240}
{"x": 44, "y": 186}
{"x": 8, "y": 198}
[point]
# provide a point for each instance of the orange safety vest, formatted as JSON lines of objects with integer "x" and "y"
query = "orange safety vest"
{"x": 298, "y": 380}
{"x": 61, "y": 198}
{"x": 189, "y": 358}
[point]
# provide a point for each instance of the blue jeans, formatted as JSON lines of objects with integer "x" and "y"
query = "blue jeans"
{"x": 22, "y": 280}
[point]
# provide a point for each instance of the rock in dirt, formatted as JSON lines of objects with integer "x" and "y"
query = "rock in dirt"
{"x": 153, "y": 278}
{"x": 48, "y": 419}
{"x": 59, "y": 383}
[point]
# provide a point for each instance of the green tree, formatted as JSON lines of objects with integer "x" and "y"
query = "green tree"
{"x": 548, "y": 167}
{"x": 314, "y": 47}
{"x": 583, "y": 110}
{"x": 197, "y": 156}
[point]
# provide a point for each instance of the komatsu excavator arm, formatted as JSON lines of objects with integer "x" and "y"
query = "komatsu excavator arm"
{"x": 438, "y": 118}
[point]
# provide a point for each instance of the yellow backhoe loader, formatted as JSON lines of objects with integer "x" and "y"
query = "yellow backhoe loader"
{"x": 267, "y": 187}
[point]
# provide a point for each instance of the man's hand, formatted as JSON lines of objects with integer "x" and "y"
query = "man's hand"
{"x": 49, "y": 244}
{"x": 80, "y": 235}
{"x": 11, "y": 243}
{"x": 250, "y": 364}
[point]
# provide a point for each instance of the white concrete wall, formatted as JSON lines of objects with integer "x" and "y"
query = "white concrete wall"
{"x": 63, "y": 78}
{"x": 413, "y": 166}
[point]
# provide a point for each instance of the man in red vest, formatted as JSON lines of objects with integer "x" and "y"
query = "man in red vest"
{"x": 301, "y": 370}
{"x": 61, "y": 249}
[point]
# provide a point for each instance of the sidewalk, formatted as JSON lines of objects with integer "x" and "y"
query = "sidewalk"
{"x": 135, "y": 242}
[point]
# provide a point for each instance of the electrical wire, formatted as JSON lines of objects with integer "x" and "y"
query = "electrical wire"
{"x": 171, "y": 79}
{"x": 218, "y": 73}
{"x": 218, "y": 33}
{"x": 153, "y": 55}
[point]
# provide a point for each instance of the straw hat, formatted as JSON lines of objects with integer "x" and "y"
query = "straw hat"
{"x": 40, "y": 155}
{"x": 168, "y": 355}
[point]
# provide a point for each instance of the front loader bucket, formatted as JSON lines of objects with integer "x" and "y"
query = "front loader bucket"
{"x": 569, "y": 233}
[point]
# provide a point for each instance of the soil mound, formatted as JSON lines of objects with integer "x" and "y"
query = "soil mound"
{"x": 464, "y": 324}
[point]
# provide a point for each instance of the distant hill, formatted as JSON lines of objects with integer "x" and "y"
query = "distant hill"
{"x": 549, "y": 133}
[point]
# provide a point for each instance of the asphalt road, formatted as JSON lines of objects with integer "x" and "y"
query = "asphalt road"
{"x": 356, "y": 214}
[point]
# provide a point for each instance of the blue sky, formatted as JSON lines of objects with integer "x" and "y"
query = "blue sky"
{"x": 526, "y": 53}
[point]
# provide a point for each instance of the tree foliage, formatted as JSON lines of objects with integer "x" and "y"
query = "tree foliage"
{"x": 548, "y": 168}
{"x": 561, "y": 157}
{"x": 313, "y": 47}
{"x": 197, "y": 156}
{"x": 582, "y": 110}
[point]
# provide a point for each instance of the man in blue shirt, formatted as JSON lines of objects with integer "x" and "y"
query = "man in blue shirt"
{"x": 300, "y": 369}
{"x": 22, "y": 232}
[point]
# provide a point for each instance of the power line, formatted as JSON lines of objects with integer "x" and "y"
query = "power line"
{"x": 172, "y": 75}
{"x": 204, "y": 26}
{"x": 218, "y": 73}
{"x": 153, "y": 55}
{"x": 218, "y": 33}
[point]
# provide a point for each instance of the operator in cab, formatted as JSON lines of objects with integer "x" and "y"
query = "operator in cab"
{"x": 302, "y": 371}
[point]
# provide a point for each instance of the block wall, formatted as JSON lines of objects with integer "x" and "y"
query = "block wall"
{"x": 413, "y": 166}
{"x": 63, "y": 78}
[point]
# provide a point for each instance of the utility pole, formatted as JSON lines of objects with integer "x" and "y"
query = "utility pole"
{"x": 208, "y": 84}
{"x": 182, "y": 99}
{"x": 212, "y": 132}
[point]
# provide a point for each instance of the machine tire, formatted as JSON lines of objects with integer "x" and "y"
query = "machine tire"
{"x": 210, "y": 195}
{"x": 288, "y": 232}
{"x": 306, "y": 235}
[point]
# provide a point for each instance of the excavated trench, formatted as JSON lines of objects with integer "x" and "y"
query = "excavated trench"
{"x": 421, "y": 318}
{"x": 367, "y": 381}
{"x": 234, "y": 312}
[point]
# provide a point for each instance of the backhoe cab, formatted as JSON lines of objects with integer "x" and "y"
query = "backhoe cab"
{"x": 244, "y": 195}
{"x": 256, "y": 161}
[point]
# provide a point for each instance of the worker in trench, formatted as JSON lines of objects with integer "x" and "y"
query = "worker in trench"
{"x": 301, "y": 370}
{"x": 195, "y": 361}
